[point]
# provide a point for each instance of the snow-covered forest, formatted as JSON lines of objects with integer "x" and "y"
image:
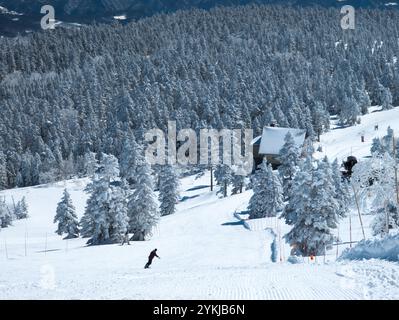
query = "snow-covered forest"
{"x": 76, "y": 184}
{"x": 67, "y": 93}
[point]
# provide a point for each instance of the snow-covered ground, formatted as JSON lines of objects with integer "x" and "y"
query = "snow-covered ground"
{"x": 343, "y": 142}
{"x": 207, "y": 251}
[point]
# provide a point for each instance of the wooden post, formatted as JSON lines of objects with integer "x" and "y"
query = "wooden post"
{"x": 26, "y": 251}
{"x": 350, "y": 230}
{"x": 358, "y": 211}
{"x": 5, "y": 245}
{"x": 45, "y": 246}
{"x": 211, "y": 178}
{"x": 336, "y": 256}
{"x": 396, "y": 170}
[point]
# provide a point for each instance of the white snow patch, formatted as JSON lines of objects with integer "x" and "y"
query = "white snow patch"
{"x": 122, "y": 17}
{"x": 386, "y": 248}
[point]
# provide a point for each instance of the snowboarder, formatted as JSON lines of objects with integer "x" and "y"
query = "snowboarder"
{"x": 152, "y": 255}
{"x": 126, "y": 239}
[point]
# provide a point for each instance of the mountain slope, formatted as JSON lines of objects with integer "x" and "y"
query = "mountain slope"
{"x": 206, "y": 253}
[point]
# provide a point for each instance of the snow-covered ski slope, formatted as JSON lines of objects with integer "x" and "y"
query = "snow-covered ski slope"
{"x": 206, "y": 251}
{"x": 343, "y": 142}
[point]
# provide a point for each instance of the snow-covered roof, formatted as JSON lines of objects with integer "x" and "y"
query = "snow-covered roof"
{"x": 273, "y": 139}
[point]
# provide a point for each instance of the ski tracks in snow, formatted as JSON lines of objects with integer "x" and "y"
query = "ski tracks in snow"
{"x": 376, "y": 279}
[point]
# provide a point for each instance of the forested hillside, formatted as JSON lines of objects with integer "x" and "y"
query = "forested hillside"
{"x": 66, "y": 93}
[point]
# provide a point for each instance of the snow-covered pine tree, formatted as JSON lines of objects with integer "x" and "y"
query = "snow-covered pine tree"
{"x": 311, "y": 233}
{"x": 342, "y": 191}
{"x": 386, "y": 98}
{"x": 349, "y": 112}
{"x": 66, "y": 217}
{"x": 377, "y": 147}
{"x": 298, "y": 199}
{"x": 3, "y": 172}
{"x": 6, "y": 216}
{"x": 223, "y": 176}
{"x": 119, "y": 220}
{"x": 143, "y": 210}
{"x": 90, "y": 164}
{"x": 238, "y": 183}
{"x": 267, "y": 200}
{"x": 130, "y": 159}
{"x": 100, "y": 221}
{"x": 289, "y": 157}
{"x": 168, "y": 189}
{"x": 386, "y": 218}
{"x": 387, "y": 141}
{"x": 21, "y": 209}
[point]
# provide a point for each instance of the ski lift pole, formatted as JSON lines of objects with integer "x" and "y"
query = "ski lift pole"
{"x": 396, "y": 169}
{"x": 45, "y": 246}
{"x": 6, "y": 250}
{"x": 358, "y": 211}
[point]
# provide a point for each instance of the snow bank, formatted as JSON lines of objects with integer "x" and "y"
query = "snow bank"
{"x": 386, "y": 248}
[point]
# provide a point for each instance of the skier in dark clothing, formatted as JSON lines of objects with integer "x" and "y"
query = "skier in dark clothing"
{"x": 151, "y": 257}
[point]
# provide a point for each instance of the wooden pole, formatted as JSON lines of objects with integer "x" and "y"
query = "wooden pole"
{"x": 5, "y": 245}
{"x": 45, "y": 246}
{"x": 26, "y": 251}
{"x": 212, "y": 179}
{"x": 336, "y": 256}
{"x": 358, "y": 211}
{"x": 396, "y": 169}
{"x": 350, "y": 231}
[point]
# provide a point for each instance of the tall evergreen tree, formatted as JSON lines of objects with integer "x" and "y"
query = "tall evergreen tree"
{"x": 168, "y": 190}
{"x": 105, "y": 205}
{"x": 267, "y": 200}
{"x": 223, "y": 176}
{"x": 301, "y": 185}
{"x": 21, "y": 209}
{"x": 312, "y": 231}
{"x": 143, "y": 210}
{"x": 289, "y": 157}
{"x": 6, "y": 217}
{"x": 66, "y": 217}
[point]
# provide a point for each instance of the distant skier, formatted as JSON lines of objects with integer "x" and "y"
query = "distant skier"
{"x": 126, "y": 239}
{"x": 151, "y": 257}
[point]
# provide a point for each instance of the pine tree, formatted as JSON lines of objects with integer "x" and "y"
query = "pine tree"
{"x": 66, "y": 217}
{"x": 289, "y": 157}
{"x": 342, "y": 190}
{"x": 386, "y": 98}
{"x": 21, "y": 209}
{"x": 223, "y": 176}
{"x": 3, "y": 172}
{"x": 267, "y": 199}
{"x": 387, "y": 218}
{"x": 130, "y": 159}
{"x": 238, "y": 183}
{"x": 105, "y": 205}
{"x": 376, "y": 146}
{"x": 298, "y": 200}
{"x": 349, "y": 112}
{"x": 311, "y": 233}
{"x": 118, "y": 212}
{"x": 90, "y": 164}
{"x": 142, "y": 207}
{"x": 168, "y": 190}
{"x": 6, "y": 217}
